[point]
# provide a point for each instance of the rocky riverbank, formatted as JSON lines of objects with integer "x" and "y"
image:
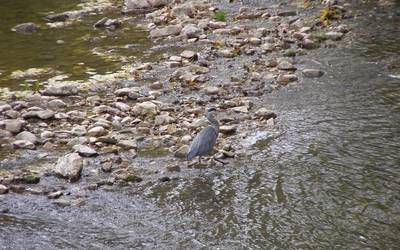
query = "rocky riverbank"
{"x": 135, "y": 125}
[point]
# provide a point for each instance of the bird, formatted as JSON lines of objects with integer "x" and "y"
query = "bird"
{"x": 204, "y": 141}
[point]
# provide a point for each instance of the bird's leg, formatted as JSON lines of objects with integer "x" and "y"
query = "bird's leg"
{"x": 200, "y": 160}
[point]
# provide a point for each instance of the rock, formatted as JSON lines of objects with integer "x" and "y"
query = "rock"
{"x": 284, "y": 65}
{"x": 265, "y": 114}
{"x": 271, "y": 63}
{"x": 56, "y": 104}
{"x": 47, "y": 134}
{"x": 164, "y": 179}
{"x": 22, "y": 144}
{"x": 255, "y": 41}
{"x": 25, "y": 28}
{"x": 241, "y": 109}
{"x": 145, "y": 108}
{"x": 228, "y": 129}
{"x": 186, "y": 139}
{"x": 14, "y": 126}
{"x": 69, "y": 166}
{"x": 131, "y": 93}
{"x": 108, "y": 23}
{"x": 173, "y": 168}
{"x": 309, "y": 44}
{"x": 163, "y": 120}
{"x": 137, "y": 5}
{"x": 191, "y": 31}
{"x": 97, "y": 131}
{"x": 190, "y": 55}
{"x": 79, "y": 130}
{"x": 211, "y": 90}
{"x": 55, "y": 195}
{"x": 32, "y": 73}
{"x": 3, "y": 189}
{"x": 84, "y": 151}
{"x": 28, "y": 179}
{"x": 27, "y": 136}
{"x": 287, "y": 13}
{"x": 181, "y": 152}
{"x": 217, "y": 25}
{"x": 286, "y": 78}
{"x": 127, "y": 144}
{"x": 333, "y": 35}
{"x": 41, "y": 114}
{"x": 4, "y": 108}
{"x": 61, "y": 89}
{"x": 227, "y": 53}
{"x": 60, "y": 17}
{"x": 5, "y": 135}
{"x": 171, "y": 30}
{"x": 312, "y": 73}
{"x": 122, "y": 106}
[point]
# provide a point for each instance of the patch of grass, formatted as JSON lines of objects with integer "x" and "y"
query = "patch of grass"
{"x": 220, "y": 16}
{"x": 328, "y": 14}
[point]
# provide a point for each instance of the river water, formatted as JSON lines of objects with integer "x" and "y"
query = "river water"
{"x": 327, "y": 177}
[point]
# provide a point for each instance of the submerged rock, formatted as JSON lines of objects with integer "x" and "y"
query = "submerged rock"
{"x": 312, "y": 73}
{"x": 108, "y": 23}
{"x": 32, "y": 73}
{"x": 69, "y": 166}
{"x": 60, "y": 17}
{"x": 25, "y": 28}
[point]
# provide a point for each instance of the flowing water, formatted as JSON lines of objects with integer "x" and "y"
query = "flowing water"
{"x": 327, "y": 177}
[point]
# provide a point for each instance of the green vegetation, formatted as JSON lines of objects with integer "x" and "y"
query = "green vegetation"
{"x": 220, "y": 15}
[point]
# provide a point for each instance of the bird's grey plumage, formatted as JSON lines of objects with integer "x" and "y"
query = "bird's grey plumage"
{"x": 204, "y": 142}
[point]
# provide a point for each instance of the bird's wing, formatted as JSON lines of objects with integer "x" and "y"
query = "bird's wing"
{"x": 203, "y": 142}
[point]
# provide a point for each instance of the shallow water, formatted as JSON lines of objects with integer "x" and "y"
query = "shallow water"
{"x": 75, "y": 56}
{"x": 327, "y": 177}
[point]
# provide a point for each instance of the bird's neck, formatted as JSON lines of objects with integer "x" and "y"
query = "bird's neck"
{"x": 213, "y": 121}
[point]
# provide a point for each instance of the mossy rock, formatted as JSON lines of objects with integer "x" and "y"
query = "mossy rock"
{"x": 30, "y": 179}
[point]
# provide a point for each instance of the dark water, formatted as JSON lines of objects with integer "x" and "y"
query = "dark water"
{"x": 328, "y": 177}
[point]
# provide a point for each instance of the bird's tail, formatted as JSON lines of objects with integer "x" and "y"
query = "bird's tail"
{"x": 191, "y": 154}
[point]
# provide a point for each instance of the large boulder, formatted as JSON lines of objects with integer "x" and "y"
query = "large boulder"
{"x": 69, "y": 167}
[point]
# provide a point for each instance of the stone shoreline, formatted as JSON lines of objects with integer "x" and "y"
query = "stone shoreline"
{"x": 119, "y": 128}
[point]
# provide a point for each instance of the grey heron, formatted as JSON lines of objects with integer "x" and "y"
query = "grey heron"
{"x": 204, "y": 141}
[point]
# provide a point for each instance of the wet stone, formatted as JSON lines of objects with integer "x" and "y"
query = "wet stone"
{"x": 55, "y": 195}
{"x": 60, "y": 17}
{"x": 69, "y": 166}
{"x": 286, "y": 78}
{"x": 25, "y": 28}
{"x": 85, "y": 151}
{"x": 312, "y": 73}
